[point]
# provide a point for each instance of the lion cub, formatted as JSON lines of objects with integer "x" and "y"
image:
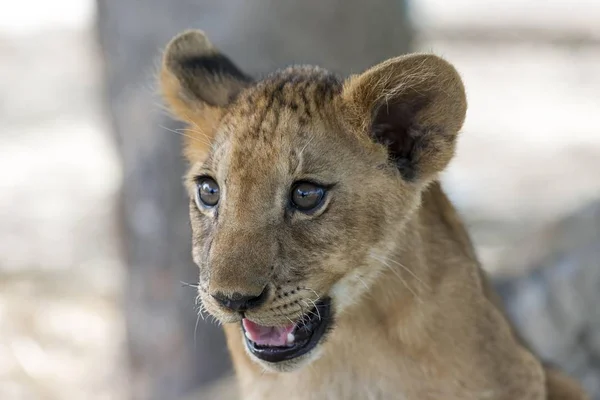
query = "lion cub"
{"x": 325, "y": 244}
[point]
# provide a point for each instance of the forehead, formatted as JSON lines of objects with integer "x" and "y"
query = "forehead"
{"x": 279, "y": 119}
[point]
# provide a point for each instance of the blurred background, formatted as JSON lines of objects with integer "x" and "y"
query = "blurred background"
{"x": 94, "y": 239}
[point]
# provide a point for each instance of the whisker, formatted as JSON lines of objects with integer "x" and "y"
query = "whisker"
{"x": 309, "y": 310}
{"x": 309, "y": 289}
{"x": 200, "y": 308}
{"x": 407, "y": 270}
{"x": 303, "y": 314}
{"x": 283, "y": 315}
{"x": 301, "y": 153}
{"x": 399, "y": 277}
{"x": 314, "y": 302}
{"x": 363, "y": 282}
{"x": 305, "y": 146}
{"x": 196, "y": 330}
{"x": 184, "y": 135}
{"x": 291, "y": 320}
{"x": 204, "y": 135}
{"x": 198, "y": 129}
{"x": 295, "y": 314}
{"x": 191, "y": 121}
{"x": 163, "y": 110}
{"x": 316, "y": 308}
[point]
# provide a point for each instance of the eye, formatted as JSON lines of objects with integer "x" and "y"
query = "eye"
{"x": 307, "y": 196}
{"x": 208, "y": 192}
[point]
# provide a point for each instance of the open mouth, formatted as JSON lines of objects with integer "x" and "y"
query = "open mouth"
{"x": 281, "y": 343}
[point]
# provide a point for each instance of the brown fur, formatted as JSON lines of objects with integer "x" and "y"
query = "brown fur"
{"x": 414, "y": 315}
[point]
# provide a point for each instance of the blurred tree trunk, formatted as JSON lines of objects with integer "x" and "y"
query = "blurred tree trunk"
{"x": 345, "y": 36}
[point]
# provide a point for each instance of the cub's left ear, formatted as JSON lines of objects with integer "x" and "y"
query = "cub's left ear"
{"x": 414, "y": 105}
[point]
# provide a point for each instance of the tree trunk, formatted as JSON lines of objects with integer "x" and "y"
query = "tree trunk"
{"x": 168, "y": 356}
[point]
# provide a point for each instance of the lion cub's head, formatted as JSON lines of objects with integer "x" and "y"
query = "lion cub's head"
{"x": 299, "y": 182}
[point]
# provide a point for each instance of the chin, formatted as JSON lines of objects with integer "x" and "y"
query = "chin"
{"x": 289, "y": 348}
{"x": 288, "y": 366}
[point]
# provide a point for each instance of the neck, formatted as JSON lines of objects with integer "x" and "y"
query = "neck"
{"x": 421, "y": 275}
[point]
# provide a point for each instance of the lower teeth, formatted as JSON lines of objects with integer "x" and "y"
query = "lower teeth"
{"x": 290, "y": 338}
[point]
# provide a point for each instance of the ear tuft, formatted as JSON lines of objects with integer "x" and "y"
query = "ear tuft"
{"x": 414, "y": 105}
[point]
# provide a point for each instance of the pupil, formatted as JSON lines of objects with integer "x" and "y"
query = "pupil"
{"x": 209, "y": 187}
{"x": 209, "y": 192}
{"x": 307, "y": 196}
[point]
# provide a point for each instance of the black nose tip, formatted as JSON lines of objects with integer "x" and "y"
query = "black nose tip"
{"x": 240, "y": 302}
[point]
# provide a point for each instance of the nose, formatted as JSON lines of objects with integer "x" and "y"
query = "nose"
{"x": 240, "y": 302}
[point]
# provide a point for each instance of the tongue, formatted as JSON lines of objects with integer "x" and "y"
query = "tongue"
{"x": 267, "y": 335}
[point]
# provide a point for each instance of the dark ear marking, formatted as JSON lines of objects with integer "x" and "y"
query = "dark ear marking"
{"x": 395, "y": 127}
{"x": 214, "y": 64}
{"x": 202, "y": 76}
{"x": 217, "y": 66}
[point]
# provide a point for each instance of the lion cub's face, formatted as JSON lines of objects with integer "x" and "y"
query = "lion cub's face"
{"x": 297, "y": 180}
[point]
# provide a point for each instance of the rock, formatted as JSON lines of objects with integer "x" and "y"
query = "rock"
{"x": 555, "y": 305}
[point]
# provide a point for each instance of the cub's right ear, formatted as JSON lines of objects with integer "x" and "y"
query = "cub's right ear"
{"x": 197, "y": 81}
{"x": 195, "y": 74}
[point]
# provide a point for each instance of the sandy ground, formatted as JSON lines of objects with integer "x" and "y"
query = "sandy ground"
{"x": 529, "y": 154}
